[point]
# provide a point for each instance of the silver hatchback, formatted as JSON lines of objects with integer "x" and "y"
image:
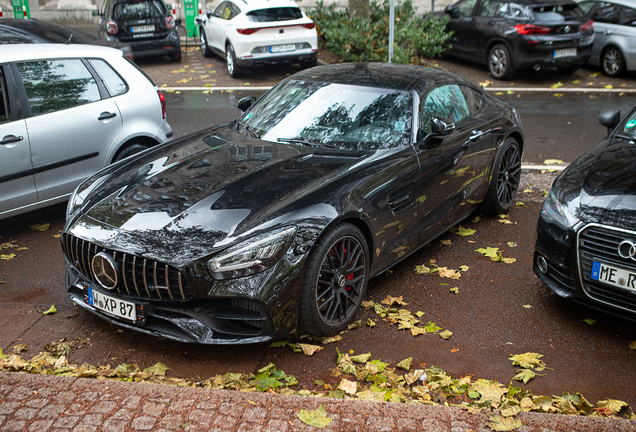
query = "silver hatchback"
{"x": 66, "y": 111}
{"x": 615, "y": 28}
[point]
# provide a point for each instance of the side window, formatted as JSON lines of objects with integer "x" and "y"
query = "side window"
{"x": 5, "y": 113}
{"x": 628, "y": 16}
{"x": 111, "y": 79}
{"x": 464, "y": 8}
{"x": 235, "y": 11}
{"x": 446, "y": 101}
{"x": 219, "y": 9}
{"x": 226, "y": 12}
{"x": 605, "y": 12}
{"x": 474, "y": 99}
{"x": 105, "y": 9}
{"x": 53, "y": 85}
{"x": 489, "y": 8}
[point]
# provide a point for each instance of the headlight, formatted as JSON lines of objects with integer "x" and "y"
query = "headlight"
{"x": 559, "y": 213}
{"x": 252, "y": 256}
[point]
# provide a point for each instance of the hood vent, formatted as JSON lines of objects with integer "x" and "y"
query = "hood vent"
{"x": 402, "y": 198}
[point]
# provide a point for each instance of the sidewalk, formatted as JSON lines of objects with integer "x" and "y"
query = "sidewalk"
{"x": 43, "y": 403}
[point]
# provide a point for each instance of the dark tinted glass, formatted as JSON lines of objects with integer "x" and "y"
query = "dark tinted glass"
{"x": 492, "y": 8}
{"x": 138, "y": 10}
{"x": 53, "y": 85}
{"x": 274, "y": 14}
{"x": 604, "y": 12}
{"x": 557, "y": 13}
{"x": 474, "y": 99}
{"x": 4, "y": 102}
{"x": 463, "y": 8}
{"x": 628, "y": 17}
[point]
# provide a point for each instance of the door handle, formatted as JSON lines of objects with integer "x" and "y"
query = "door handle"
{"x": 475, "y": 135}
{"x": 10, "y": 139}
{"x": 106, "y": 115}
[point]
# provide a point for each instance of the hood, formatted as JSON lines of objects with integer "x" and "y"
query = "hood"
{"x": 208, "y": 187}
{"x": 604, "y": 182}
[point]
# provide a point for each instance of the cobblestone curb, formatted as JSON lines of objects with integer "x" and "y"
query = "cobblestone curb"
{"x": 56, "y": 404}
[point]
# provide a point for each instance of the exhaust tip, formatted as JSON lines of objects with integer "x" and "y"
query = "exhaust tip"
{"x": 536, "y": 67}
{"x": 542, "y": 264}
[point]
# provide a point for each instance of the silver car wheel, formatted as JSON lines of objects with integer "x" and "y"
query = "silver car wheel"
{"x": 612, "y": 62}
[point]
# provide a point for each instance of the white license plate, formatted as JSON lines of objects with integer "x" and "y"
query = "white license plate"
{"x": 282, "y": 48}
{"x": 142, "y": 29}
{"x": 613, "y": 275}
{"x": 565, "y": 52}
{"x": 112, "y": 306}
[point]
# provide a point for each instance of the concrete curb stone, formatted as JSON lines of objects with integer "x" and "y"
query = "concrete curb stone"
{"x": 47, "y": 403}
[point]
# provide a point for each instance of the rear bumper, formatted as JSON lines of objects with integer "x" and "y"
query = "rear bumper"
{"x": 282, "y": 58}
{"x": 168, "y": 45}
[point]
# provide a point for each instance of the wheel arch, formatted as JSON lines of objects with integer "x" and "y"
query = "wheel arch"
{"x": 146, "y": 140}
{"x": 359, "y": 223}
{"x": 497, "y": 41}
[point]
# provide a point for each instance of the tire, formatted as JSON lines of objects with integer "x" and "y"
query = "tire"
{"x": 308, "y": 63}
{"x": 612, "y": 62}
{"x": 505, "y": 179}
{"x": 233, "y": 69}
{"x": 568, "y": 70}
{"x": 176, "y": 57}
{"x": 129, "y": 150}
{"x": 203, "y": 40}
{"x": 500, "y": 63}
{"x": 333, "y": 287}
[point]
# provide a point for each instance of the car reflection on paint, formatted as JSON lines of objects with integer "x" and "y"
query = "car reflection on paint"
{"x": 245, "y": 231}
{"x": 586, "y": 238}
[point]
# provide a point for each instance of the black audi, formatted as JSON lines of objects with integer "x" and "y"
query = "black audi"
{"x": 586, "y": 238}
{"x": 244, "y": 231}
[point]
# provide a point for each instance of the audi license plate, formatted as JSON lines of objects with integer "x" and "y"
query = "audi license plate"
{"x": 613, "y": 275}
{"x": 282, "y": 48}
{"x": 112, "y": 306}
{"x": 142, "y": 29}
{"x": 565, "y": 52}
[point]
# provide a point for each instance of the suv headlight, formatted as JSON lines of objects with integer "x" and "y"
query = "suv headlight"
{"x": 559, "y": 213}
{"x": 253, "y": 255}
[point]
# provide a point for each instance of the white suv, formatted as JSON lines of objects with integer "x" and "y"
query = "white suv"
{"x": 258, "y": 32}
{"x": 67, "y": 111}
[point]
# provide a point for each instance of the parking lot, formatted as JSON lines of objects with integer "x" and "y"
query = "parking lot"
{"x": 497, "y": 311}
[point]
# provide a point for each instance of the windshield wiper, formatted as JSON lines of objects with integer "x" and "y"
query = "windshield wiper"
{"x": 249, "y": 130}
{"x": 625, "y": 137}
{"x": 304, "y": 141}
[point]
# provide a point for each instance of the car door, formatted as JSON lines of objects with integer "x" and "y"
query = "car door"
{"x": 462, "y": 23}
{"x": 216, "y": 25}
{"x": 489, "y": 22}
{"x": 452, "y": 165}
{"x": 71, "y": 122}
{"x": 17, "y": 187}
{"x": 605, "y": 16}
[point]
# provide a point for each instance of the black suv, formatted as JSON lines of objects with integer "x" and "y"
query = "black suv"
{"x": 511, "y": 35}
{"x": 146, "y": 25}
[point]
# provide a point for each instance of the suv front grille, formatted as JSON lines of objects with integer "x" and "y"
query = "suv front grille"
{"x": 601, "y": 244}
{"x": 138, "y": 277}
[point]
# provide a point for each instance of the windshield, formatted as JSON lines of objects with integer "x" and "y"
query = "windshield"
{"x": 340, "y": 115}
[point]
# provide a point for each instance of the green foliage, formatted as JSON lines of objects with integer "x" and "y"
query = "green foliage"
{"x": 357, "y": 39}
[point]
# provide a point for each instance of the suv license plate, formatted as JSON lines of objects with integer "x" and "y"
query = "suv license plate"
{"x": 565, "y": 52}
{"x": 282, "y": 48}
{"x": 142, "y": 29}
{"x": 613, "y": 276}
{"x": 112, "y": 306}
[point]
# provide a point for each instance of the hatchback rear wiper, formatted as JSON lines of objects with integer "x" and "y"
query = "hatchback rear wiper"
{"x": 304, "y": 141}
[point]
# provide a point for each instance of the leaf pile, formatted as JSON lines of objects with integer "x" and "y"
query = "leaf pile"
{"x": 403, "y": 318}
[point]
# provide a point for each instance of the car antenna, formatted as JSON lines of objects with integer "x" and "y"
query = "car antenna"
{"x": 68, "y": 42}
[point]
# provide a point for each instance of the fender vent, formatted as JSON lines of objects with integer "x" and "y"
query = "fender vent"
{"x": 402, "y": 198}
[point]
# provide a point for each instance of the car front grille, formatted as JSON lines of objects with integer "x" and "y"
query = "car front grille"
{"x": 600, "y": 244}
{"x": 138, "y": 277}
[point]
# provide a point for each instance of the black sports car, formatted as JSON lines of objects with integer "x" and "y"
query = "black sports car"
{"x": 240, "y": 232}
{"x": 586, "y": 237}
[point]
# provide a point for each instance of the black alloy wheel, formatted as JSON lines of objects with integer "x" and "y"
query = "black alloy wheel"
{"x": 335, "y": 281}
{"x": 612, "y": 62}
{"x": 500, "y": 63}
{"x": 505, "y": 179}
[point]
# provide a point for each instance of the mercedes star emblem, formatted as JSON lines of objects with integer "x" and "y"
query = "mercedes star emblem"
{"x": 104, "y": 270}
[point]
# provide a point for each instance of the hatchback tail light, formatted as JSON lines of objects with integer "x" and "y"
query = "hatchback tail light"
{"x": 111, "y": 27}
{"x": 309, "y": 26}
{"x": 588, "y": 25}
{"x": 170, "y": 22}
{"x": 163, "y": 104}
{"x": 247, "y": 31}
{"x": 531, "y": 29}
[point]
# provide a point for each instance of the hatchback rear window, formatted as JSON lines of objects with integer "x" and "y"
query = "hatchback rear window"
{"x": 274, "y": 14}
{"x": 138, "y": 10}
{"x": 557, "y": 13}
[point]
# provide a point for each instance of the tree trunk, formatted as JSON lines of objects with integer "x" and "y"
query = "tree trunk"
{"x": 359, "y": 9}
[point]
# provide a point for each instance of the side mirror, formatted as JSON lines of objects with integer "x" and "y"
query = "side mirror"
{"x": 448, "y": 9}
{"x": 208, "y": 14}
{"x": 95, "y": 13}
{"x": 245, "y": 103}
{"x": 442, "y": 126}
{"x": 610, "y": 118}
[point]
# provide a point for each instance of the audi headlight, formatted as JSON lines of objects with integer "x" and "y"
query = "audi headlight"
{"x": 253, "y": 255}
{"x": 559, "y": 213}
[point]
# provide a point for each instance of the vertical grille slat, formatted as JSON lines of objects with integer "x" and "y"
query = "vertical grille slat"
{"x": 165, "y": 282}
{"x": 600, "y": 243}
